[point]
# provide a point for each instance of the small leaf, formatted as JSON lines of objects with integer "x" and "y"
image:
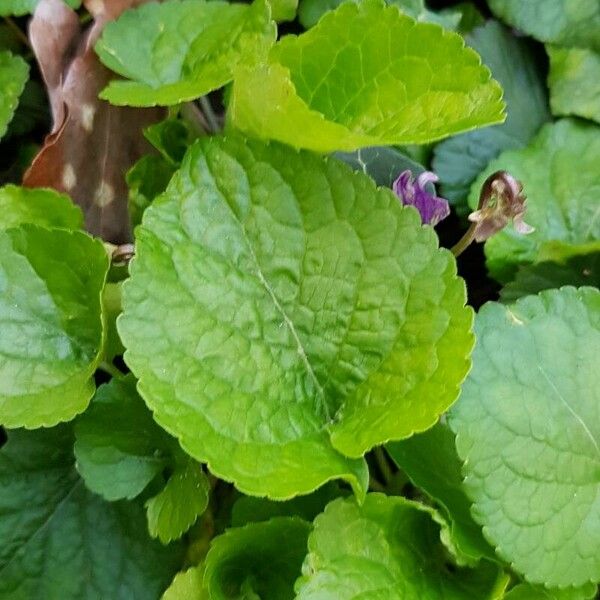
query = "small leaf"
{"x": 50, "y": 314}
{"x": 14, "y": 72}
{"x": 59, "y": 541}
{"x": 20, "y": 205}
{"x": 240, "y": 302}
{"x": 387, "y": 548}
{"x": 259, "y": 560}
{"x": 183, "y": 499}
{"x": 187, "y": 585}
{"x": 560, "y": 177}
{"x": 560, "y": 21}
{"x": 181, "y": 49}
{"x": 578, "y": 270}
{"x": 335, "y": 87}
{"x": 283, "y": 10}
{"x": 574, "y": 82}
{"x": 430, "y": 461}
{"x": 513, "y": 63}
{"x": 527, "y": 428}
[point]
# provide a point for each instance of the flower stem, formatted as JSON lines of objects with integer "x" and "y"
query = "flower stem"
{"x": 209, "y": 113}
{"x": 383, "y": 464}
{"x": 111, "y": 370}
{"x": 465, "y": 241}
{"x": 18, "y": 32}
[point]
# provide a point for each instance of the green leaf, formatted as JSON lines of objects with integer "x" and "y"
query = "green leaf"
{"x": 112, "y": 308}
{"x": 335, "y": 87}
{"x": 14, "y": 72}
{"x": 260, "y": 560}
{"x": 172, "y": 138}
{"x": 512, "y": 61}
{"x": 563, "y": 22}
{"x": 120, "y": 450}
{"x": 50, "y": 317}
{"x": 430, "y": 461}
{"x": 283, "y": 10}
{"x": 187, "y": 585}
{"x": 528, "y": 431}
{"x": 382, "y": 164}
{"x": 181, "y": 49}
{"x": 560, "y": 176}
{"x": 23, "y": 7}
{"x": 19, "y": 205}
{"x": 574, "y": 82}
{"x": 241, "y": 303}
{"x": 249, "y": 508}
{"x": 578, "y": 270}
{"x": 60, "y": 542}
{"x": 183, "y": 499}
{"x": 387, "y": 548}
{"x": 525, "y": 591}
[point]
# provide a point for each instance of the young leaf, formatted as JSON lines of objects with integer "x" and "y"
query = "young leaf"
{"x": 560, "y": 177}
{"x": 528, "y": 430}
{"x": 20, "y": 205}
{"x": 188, "y": 585}
{"x": 120, "y": 450}
{"x": 387, "y": 548}
{"x": 578, "y": 270}
{"x": 181, "y": 49}
{"x": 365, "y": 75}
{"x": 283, "y": 10}
{"x": 14, "y": 72}
{"x": 276, "y": 285}
{"x": 259, "y": 560}
{"x": 50, "y": 314}
{"x": 574, "y": 82}
{"x": 92, "y": 144}
{"x": 512, "y": 61}
{"x": 560, "y": 21}
{"x": 59, "y": 541}
{"x": 430, "y": 461}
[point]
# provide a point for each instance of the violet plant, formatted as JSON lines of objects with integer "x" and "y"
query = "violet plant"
{"x": 299, "y": 299}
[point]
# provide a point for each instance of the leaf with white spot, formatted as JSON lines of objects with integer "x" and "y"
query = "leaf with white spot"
{"x": 528, "y": 432}
{"x": 270, "y": 353}
{"x": 50, "y": 317}
{"x": 365, "y": 75}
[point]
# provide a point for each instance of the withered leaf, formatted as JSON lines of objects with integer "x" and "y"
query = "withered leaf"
{"x": 92, "y": 143}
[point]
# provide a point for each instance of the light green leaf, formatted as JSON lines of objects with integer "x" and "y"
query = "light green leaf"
{"x": 120, "y": 450}
{"x": 283, "y": 10}
{"x": 183, "y": 499}
{"x": 565, "y": 22}
{"x": 19, "y": 205}
{"x": 14, "y": 72}
{"x": 60, "y": 542}
{"x": 512, "y": 61}
{"x": 112, "y": 308}
{"x": 574, "y": 82}
{"x": 50, "y": 317}
{"x": 335, "y": 87}
{"x": 23, "y": 7}
{"x": 187, "y": 586}
{"x": 578, "y": 270}
{"x": 525, "y": 591}
{"x": 240, "y": 302}
{"x": 260, "y": 560}
{"x": 181, "y": 49}
{"x": 172, "y": 138}
{"x": 388, "y": 548}
{"x": 430, "y": 461}
{"x": 382, "y": 164}
{"x": 528, "y": 431}
{"x": 560, "y": 176}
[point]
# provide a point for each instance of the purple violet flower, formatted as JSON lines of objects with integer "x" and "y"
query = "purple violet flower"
{"x": 412, "y": 192}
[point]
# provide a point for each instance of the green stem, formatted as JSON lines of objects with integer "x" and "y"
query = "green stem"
{"x": 194, "y": 116}
{"x": 18, "y": 32}
{"x": 465, "y": 241}
{"x": 111, "y": 370}
{"x": 376, "y": 486}
{"x": 383, "y": 464}
{"x": 209, "y": 113}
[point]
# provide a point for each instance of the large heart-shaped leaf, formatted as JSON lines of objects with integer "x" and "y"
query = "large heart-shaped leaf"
{"x": 14, "y": 72}
{"x": 181, "y": 49}
{"x": 388, "y": 548}
{"x": 283, "y": 314}
{"x": 365, "y": 75}
{"x": 60, "y": 542}
{"x": 51, "y": 281}
{"x": 574, "y": 81}
{"x": 560, "y": 176}
{"x": 568, "y": 22}
{"x": 528, "y": 431}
